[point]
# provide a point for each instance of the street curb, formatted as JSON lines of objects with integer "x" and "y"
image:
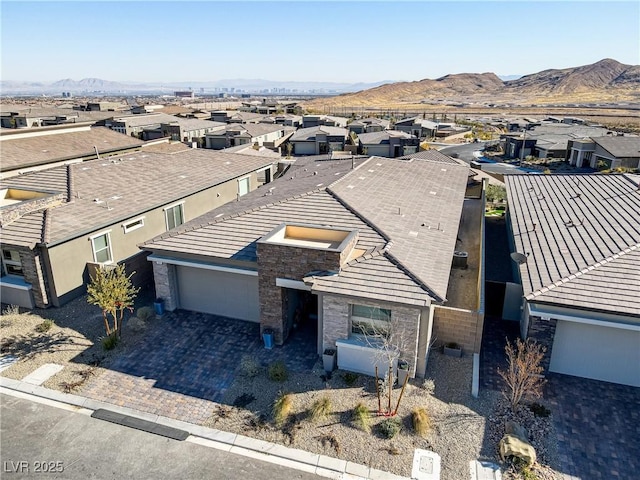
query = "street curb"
{"x": 321, "y": 465}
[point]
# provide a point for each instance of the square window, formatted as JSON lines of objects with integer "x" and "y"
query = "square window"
{"x": 174, "y": 216}
{"x": 11, "y": 263}
{"x": 102, "y": 248}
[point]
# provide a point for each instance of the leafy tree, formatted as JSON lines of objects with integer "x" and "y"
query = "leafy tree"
{"x": 523, "y": 375}
{"x": 496, "y": 193}
{"x": 112, "y": 291}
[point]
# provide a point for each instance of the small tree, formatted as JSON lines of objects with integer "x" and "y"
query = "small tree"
{"x": 112, "y": 291}
{"x": 496, "y": 193}
{"x": 523, "y": 375}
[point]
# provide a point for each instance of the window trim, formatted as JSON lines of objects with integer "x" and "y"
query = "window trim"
{"x": 109, "y": 248}
{"x": 373, "y": 321}
{"x": 172, "y": 206}
{"x": 138, "y": 223}
{"x": 240, "y": 179}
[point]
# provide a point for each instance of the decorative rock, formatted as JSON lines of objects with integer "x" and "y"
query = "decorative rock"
{"x": 512, "y": 446}
{"x": 136, "y": 324}
{"x": 517, "y": 430}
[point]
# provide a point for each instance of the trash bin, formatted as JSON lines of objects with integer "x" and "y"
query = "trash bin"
{"x": 267, "y": 336}
{"x": 403, "y": 372}
{"x": 158, "y": 306}
{"x": 329, "y": 359}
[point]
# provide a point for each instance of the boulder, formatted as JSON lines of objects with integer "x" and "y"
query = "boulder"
{"x": 136, "y": 324}
{"x": 517, "y": 430}
{"x": 512, "y": 446}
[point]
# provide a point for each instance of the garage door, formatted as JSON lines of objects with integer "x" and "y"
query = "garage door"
{"x": 597, "y": 352}
{"x": 221, "y": 293}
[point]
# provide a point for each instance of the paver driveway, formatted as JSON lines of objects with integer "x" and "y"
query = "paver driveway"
{"x": 188, "y": 360}
{"x": 598, "y": 423}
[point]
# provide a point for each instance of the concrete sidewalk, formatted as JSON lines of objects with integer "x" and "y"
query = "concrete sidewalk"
{"x": 320, "y": 465}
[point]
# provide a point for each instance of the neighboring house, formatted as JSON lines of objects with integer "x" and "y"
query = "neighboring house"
{"x": 187, "y": 130}
{"x": 610, "y": 151}
{"x": 334, "y": 250}
{"x": 388, "y": 143}
{"x": 260, "y": 134}
{"x": 417, "y": 126}
{"x": 232, "y": 116}
{"x": 576, "y": 244}
{"x": 58, "y": 224}
{"x": 134, "y": 125}
{"x": 270, "y": 107}
{"x": 28, "y": 150}
{"x": 14, "y": 116}
{"x": 368, "y": 125}
{"x": 326, "y": 120}
{"x": 318, "y": 140}
{"x": 286, "y": 119}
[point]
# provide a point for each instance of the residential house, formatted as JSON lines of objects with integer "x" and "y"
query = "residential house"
{"x": 336, "y": 247}
{"x": 368, "y": 125}
{"x": 318, "y": 140}
{"x": 256, "y": 134}
{"x": 59, "y": 224}
{"x": 287, "y": 119}
{"x": 19, "y": 117}
{"x": 135, "y": 125}
{"x": 388, "y": 143}
{"x": 188, "y": 130}
{"x": 609, "y": 151}
{"x": 27, "y": 150}
{"x": 418, "y": 126}
{"x": 576, "y": 253}
{"x": 326, "y": 120}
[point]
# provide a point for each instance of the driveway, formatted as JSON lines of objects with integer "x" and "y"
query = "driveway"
{"x": 188, "y": 360}
{"x": 597, "y": 423}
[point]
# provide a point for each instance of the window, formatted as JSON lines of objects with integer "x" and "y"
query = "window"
{"x": 243, "y": 186}
{"x": 11, "y": 263}
{"x": 102, "y": 248}
{"x": 174, "y": 215}
{"x": 373, "y": 321}
{"x": 133, "y": 225}
{"x": 264, "y": 175}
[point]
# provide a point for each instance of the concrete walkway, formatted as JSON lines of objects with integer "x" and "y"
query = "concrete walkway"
{"x": 320, "y": 465}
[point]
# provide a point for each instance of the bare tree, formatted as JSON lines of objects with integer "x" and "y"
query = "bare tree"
{"x": 524, "y": 373}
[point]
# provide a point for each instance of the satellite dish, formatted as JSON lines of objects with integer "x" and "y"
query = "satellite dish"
{"x": 519, "y": 258}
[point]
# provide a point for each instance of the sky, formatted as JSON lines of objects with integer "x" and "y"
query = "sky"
{"x": 335, "y": 41}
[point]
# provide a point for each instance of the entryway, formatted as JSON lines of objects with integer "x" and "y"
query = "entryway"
{"x": 300, "y": 308}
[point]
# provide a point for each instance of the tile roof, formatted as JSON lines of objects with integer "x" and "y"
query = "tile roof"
{"x": 574, "y": 230}
{"x": 195, "y": 123}
{"x": 128, "y": 185}
{"x": 432, "y": 155}
{"x": 310, "y": 133}
{"x": 620, "y": 147}
{"x": 382, "y": 137}
{"x": 146, "y": 119}
{"x": 61, "y": 145}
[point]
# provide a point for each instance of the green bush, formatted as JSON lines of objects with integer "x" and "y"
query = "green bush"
{"x": 282, "y": 408}
{"x": 278, "y": 371}
{"x": 110, "y": 342}
{"x": 421, "y": 421}
{"x": 249, "y": 367}
{"x": 390, "y": 427}
{"x": 44, "y": 326}
{"x": 320, "y": 408}
{"x": 362, "y": 418}
{"x": 349, "y": 378}
{"x": 145, "y": 313}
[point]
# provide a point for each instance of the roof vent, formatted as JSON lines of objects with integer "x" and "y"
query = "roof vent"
{"x": 460, "y": 259}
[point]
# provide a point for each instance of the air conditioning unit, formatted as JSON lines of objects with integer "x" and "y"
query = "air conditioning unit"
{"x": 460, "y": 259}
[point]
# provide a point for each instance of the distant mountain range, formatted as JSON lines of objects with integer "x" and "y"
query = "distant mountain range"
{"x": 603, "y": 81}
{"x": 97, "y": 85}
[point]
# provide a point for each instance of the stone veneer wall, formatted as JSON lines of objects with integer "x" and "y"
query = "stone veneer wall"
{"x": 337, "y": 326}
{"x": 290, "y": 262}
{"x": 12, "y": 212}
{"x": 164, "y": 276}
{"x": 32, "y": 269}
{"x": 543, "y": 331}
{"x": 463, "y": 327}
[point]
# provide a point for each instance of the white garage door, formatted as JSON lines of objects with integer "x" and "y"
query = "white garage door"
{"x": 597, "y": 352}
{"x": 221, "y": 293}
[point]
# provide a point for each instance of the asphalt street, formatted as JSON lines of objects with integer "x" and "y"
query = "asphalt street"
{"x": 44, "y": 442}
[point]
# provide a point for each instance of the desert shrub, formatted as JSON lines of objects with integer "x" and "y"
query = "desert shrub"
{"x": 44, "y": 326}
{"x": 278, "y": 371}
{"x": 110, "y": 342}
{"x": 362, "y": 417}
{"x": 539, "y": 410}
{"x": 145, "y": 313}
{"x": 421, "y": 421}
{"x": 523, "y": 375}
{"x": 249, "y": 367}
{"x": 320, "y": 408}
{"x": 331, "y": 441}
{"x": 390, "y": 427}
{"x": 11, "y": 310}
{"x": 350, "y": 378}
{"x": 282, "y": 408}
{"x": 429, "y": 386}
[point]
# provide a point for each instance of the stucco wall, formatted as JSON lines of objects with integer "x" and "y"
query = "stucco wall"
{"x": 463, "y": 327}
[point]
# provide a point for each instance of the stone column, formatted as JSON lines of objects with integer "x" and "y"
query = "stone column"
{"x": 164, "y": 276}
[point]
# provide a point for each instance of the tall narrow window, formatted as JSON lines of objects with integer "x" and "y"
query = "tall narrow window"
{"x": 243, "y": 186}
{"x": 175, "y": 216}
{"x": 102, "y": 248}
